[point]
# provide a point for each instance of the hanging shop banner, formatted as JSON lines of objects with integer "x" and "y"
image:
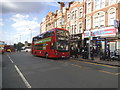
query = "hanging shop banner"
{"x": 104, "y": 32}
{"x": 100, "y": 32}
{"x": 87, "y": 34}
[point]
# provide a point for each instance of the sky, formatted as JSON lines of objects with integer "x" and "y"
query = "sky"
{"x": 18, "y": 19}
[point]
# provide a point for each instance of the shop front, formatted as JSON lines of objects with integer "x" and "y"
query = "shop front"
{"x": 103, "y": 40}
{"x": 76, "y": 40}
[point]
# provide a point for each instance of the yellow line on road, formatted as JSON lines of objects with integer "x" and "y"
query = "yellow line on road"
{"x": 96, "y": 64}
{"x": 109, "y": 72}
{"x": 92, "y": 63}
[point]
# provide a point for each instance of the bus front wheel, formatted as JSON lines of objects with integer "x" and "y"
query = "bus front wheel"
{"x": 35, "y": 54}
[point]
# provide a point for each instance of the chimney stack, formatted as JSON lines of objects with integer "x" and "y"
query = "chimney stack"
{"x": 69, "y": 4}
{"x": 61, "y": 5}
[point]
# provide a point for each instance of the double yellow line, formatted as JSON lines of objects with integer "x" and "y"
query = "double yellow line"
{"x": 99, "y": 65}
{"x": 108, "y": 72}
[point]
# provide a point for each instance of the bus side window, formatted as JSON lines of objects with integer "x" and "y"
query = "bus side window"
{"x": 46, "y": 35}
{"x": 50, "y": 33}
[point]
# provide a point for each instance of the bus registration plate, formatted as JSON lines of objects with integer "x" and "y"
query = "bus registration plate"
{"x": 63, "y": 56}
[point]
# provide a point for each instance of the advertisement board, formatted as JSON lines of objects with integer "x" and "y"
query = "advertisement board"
{"x": 104, "y": 32}
{"x": 109, "y": 31}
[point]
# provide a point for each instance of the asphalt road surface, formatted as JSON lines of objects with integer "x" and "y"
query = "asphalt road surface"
{"x": 23, "y": 70}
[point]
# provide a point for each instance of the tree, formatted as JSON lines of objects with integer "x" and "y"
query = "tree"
{"x": 18, "y": 46}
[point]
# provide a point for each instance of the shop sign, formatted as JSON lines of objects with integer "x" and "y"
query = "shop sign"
{"x": 100, "y": 32}
{"x": 104, "y": 32}
{"x": 87, "y": 34}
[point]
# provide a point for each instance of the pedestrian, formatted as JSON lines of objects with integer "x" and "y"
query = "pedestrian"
{"x": 92, "y": 51}
{"x": 71, "y": 51}
{"x": 76, "y": 52}
{"x": 85, "y": 52}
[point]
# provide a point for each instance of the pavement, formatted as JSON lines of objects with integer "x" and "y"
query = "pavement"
{"x": 98, "y": 61}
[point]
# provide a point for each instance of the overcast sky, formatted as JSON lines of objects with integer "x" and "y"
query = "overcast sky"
{"x": 18, "y": 16}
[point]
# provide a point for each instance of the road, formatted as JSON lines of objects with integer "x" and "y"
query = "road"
{"x": 23, "y": 70}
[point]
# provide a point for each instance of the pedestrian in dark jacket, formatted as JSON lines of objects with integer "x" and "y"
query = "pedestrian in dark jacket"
{"x": 71, "y": 51}
{"x": 92, "y": 51}
{"x": 76, "y": 52}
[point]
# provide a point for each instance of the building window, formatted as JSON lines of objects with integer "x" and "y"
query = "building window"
{"x": 98, "y": 4}
{"x": 75, "y": 29}
{"x": 111, "y": 2}
{"x": 73, "y": 15}
{"x": 111, "y": 16}
{"x": 102, "y": 20}
{"x": 102, "y": 3}
{"x": 99, "y": 20}
{"x": 72, "y": 29}
{"x": 80, "y": 27}
{"x": 76, "y": 12}
{"x": 96, "y": 22}
{"x": 68, "y": 17}
{"x": 89, "y": 7}
{"x": 81, "y": 12}
{"x": 88, "y": 22}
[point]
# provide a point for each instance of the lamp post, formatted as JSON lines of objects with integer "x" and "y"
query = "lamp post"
{"x": 16, "y": 40}
{"x": 31, "y": 34}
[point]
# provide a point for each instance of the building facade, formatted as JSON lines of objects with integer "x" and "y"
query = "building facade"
{"x": 90, "y": 23}
{"x": 101, "y": 32}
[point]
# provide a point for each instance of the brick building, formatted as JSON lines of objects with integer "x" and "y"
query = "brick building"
{"x": 88, "y": 20}
{"x": 100, "y": 25}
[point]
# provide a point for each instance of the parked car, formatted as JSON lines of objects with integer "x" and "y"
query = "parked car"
{"x": 26, "y": 49}
{"x": 8, "y": 50}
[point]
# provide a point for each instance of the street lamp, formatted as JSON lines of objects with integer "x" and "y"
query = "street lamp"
{"x": 31, "y": 34}
{"x": 16, "y": 40}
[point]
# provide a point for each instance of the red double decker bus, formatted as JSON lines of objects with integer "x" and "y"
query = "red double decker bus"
{"x": 53, "y": 44}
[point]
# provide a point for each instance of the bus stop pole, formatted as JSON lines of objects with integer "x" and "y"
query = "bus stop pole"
{"x": 89, "y": 49}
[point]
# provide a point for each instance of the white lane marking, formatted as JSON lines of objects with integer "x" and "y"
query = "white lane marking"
{"x": 23, "y": 78}
{"x": 10, "y": 59}
{"x": 21, "y": 75}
